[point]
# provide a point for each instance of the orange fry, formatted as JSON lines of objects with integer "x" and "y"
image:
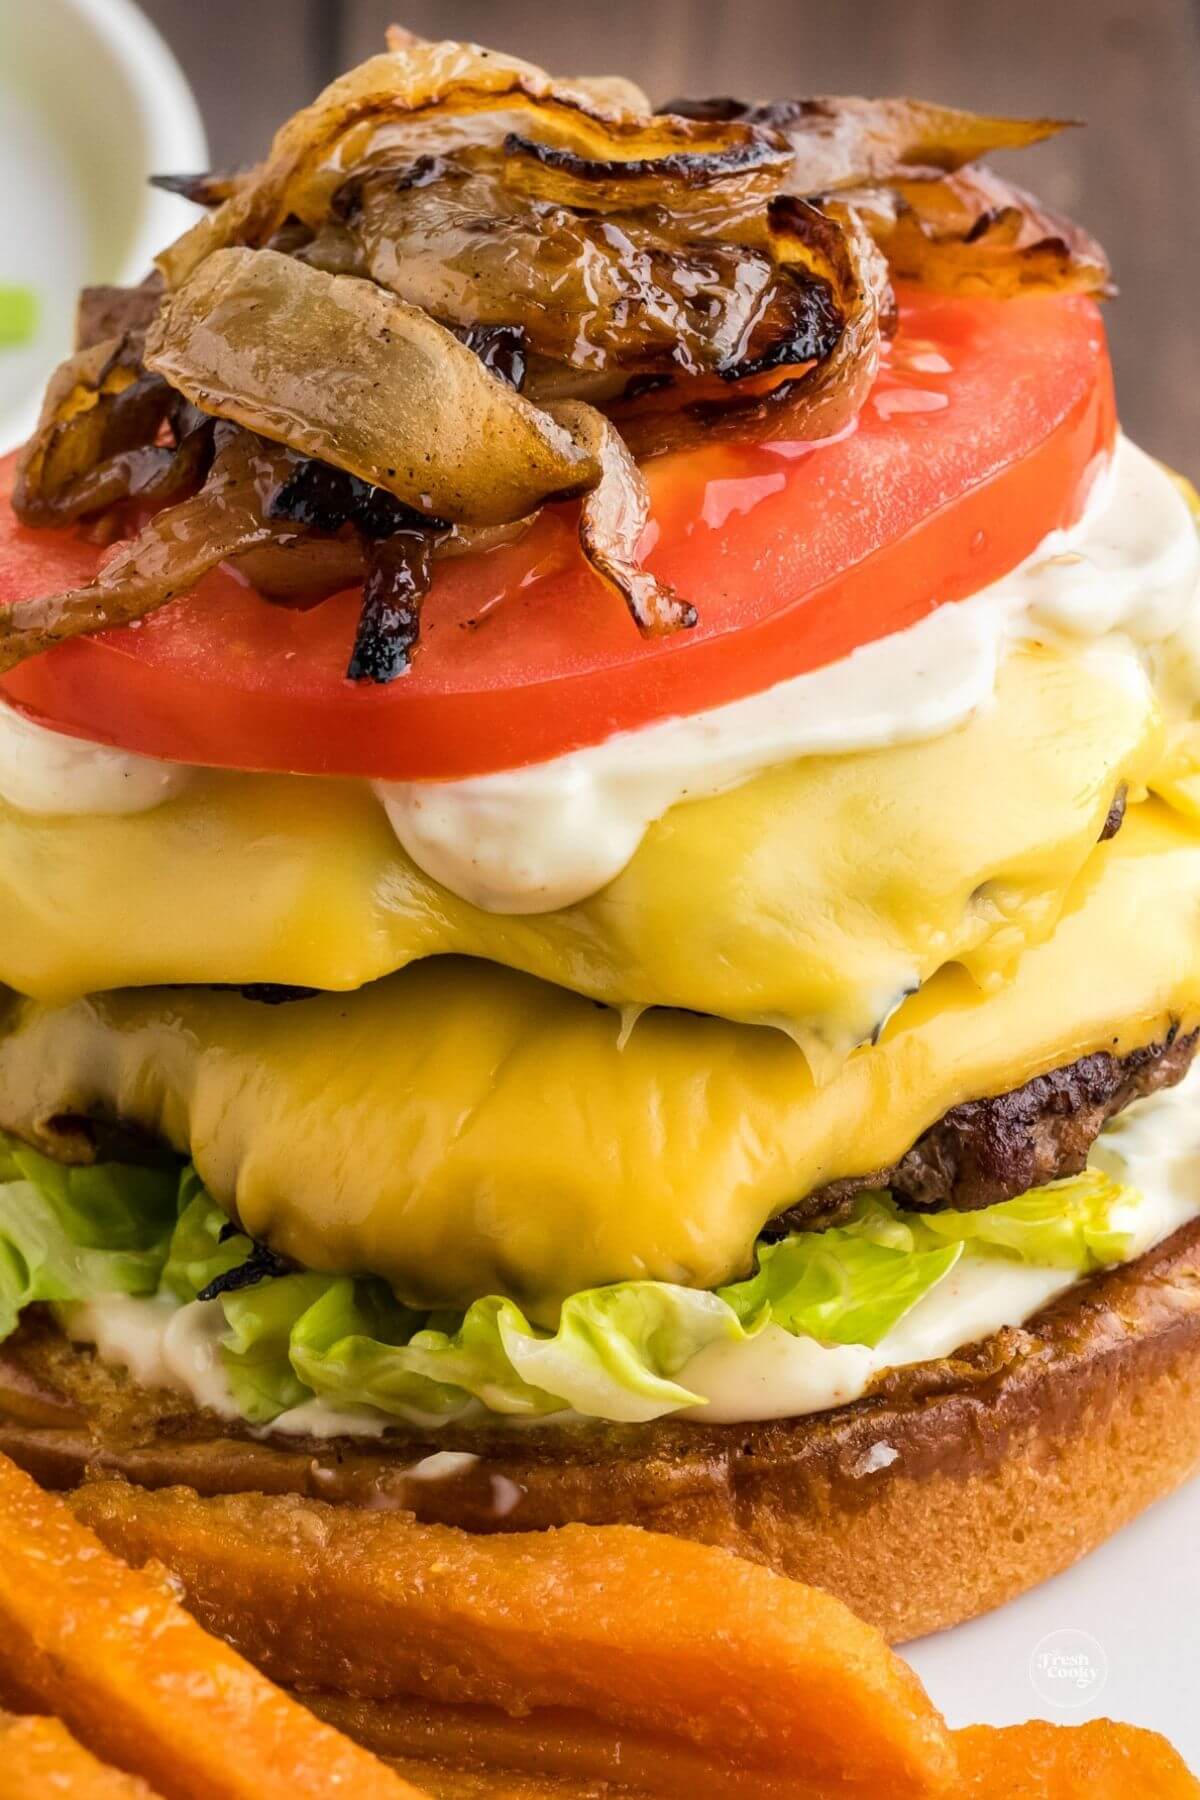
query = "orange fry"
{"x": 560, "y": 1753}
{"x": 1095, "y": 1761}
{"x": 642, "y": 1632}
{"x": 112, "y": 1653}
{"x": 39, "y": 1756}
{"x": 458, "y": 1784}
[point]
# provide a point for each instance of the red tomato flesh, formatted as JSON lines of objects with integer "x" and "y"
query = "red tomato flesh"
{"x": 981, "y": 436}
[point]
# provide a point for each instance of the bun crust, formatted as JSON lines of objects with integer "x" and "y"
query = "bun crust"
{"x": 951, "y": 1488}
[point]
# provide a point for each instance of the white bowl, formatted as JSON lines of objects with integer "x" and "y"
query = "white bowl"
{"x": 92, "y": 103}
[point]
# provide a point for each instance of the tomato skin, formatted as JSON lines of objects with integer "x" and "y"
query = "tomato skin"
{"x": 981, "y": 436}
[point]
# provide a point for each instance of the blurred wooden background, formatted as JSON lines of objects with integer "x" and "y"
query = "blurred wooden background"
{"x": 1129, "y": 67}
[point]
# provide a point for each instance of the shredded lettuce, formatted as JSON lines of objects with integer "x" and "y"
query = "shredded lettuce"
{"x": 618, "y": 1352}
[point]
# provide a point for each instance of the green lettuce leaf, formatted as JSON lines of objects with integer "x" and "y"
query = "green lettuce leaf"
{"x": 71, "y": 1234}
{"x": 202, "y": 1245}
{"x": 359, "y": 1346}
{"x": 612, "y": 1356}
{"x": 256, "y": 1351}
{"x": 618, "y": 1352}
{"x": 839, "y": 1285}
{"x": 1084, "y": 1222}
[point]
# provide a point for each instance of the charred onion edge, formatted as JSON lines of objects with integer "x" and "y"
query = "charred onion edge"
{"x": 398, "y": 577}
{"x": 873, "y": 138}
{"x": 441, "y": 78}
{"x": 212, "y": 187}
{"x": 688, "y": 168}
{"x": 825, "y": 398}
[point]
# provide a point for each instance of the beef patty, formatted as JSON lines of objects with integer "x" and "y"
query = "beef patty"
{"x": 992, "y": 1149}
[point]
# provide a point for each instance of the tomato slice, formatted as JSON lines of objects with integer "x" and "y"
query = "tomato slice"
{"x": 981, "y": 436}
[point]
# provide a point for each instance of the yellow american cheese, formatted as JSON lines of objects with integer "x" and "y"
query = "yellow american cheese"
{"x": 463, "y": 1129}
{"x": 815, "y": 895}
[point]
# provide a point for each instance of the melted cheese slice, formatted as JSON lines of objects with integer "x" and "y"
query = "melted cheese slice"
{"x": 814, "y": 897}
{"x": 462, "y": 1129}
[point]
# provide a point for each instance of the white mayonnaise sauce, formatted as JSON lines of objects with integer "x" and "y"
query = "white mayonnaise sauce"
{"x": 166, "y": 1345}
{"x": 160, "y": 1342}
{"x": 1154, "y": 1147}
{"x": 46, "y": 772}
{"x": 532, "y": 839}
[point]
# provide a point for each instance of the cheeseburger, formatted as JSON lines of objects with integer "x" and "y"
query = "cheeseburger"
{"x": 600, "y": 846}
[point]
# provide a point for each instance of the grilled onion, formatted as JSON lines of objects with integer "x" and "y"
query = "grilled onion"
{"x": 456, "y": 290}
{"x": 611, "y": 522}
{"x": 649, "y": 290}
{"x": 108, "y": 312}
{"x": 229, "y": 516}
{"x": 678, "y": 182}
{"x": 846, "y": 142}
{"x": 426, "y": 97}
{"x": 342, "y": 371}
{"x": 99, "y": 439}
{"x": 971, "y": 233}
{"x": 902, "y": 165}
{"x": 815, "y": 403}
{"x": 399, "y": 570}
{"x": 211, "y": 188}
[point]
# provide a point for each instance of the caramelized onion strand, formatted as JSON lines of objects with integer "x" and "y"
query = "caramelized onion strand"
{"x": 167, "y": 558}
{"x": 406, "y": 407}
{"x": 399, "y": 573}
{"x": 612, "y": 519}
{"x": 844, "y": 141}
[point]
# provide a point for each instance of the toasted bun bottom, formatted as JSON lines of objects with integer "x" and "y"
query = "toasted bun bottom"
{"x": 951, "y": 1488}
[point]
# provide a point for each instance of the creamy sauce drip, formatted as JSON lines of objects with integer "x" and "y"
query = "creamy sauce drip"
{"x": 1154, "y": 1147}
{"x": 533, "y": 839}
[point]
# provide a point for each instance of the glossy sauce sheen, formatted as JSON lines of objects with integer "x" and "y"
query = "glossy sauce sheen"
{"x": 949, "y": 478}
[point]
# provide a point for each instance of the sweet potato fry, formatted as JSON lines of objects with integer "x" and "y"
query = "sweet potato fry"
{"x": 39, "y": 1756}
{"x": 111, "y": 1652}
{"x": 642, "y": 1632}
{"x": 567, "y": 1753}
{"x": 1098, "y": 1760}
{"x": 462, "y": 1784}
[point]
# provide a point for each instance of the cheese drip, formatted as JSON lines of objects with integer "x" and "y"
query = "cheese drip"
{"x": 812, "y": 897}
{"x": 462, "y": 1130}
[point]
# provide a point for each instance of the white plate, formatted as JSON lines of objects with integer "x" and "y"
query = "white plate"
{"x": 1117, "y": 1636}
{"x": 91, "y": 104}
